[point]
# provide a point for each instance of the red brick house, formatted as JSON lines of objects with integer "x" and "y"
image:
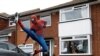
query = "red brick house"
{"x": 72, "y": 29}
{"x": 6, "y": 31}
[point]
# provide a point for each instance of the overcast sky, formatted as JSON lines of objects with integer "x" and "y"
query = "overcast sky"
{"x": 12, "y": 6}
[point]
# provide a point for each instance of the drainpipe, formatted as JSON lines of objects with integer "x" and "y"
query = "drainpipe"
{"x": 16, "y": 19}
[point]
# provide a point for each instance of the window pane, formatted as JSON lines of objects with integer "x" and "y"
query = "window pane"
{"x": 28, "y": 48}
{"x": 75, "y": 14}
{"x": 73, "y": 47}
{"x": 80, "y": 37}
{"x": 48, "y": 19}
{"x": 26, "y": 23}
{"x": 3, "y": 38}
{"x": 66, "y": 38}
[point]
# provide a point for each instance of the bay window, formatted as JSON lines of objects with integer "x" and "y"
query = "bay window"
{"x": 75, "y": 45}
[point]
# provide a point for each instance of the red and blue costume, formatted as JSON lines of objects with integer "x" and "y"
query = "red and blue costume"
{"x": 35, "y": 32}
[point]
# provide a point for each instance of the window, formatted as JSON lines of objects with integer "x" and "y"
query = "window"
{"x": 28, "y": 48}
{"x": 11, "y": 22}
{"x": 48, "y": 19}
{"x": 26, "y": 24}
{"x": 74, "y": 13}
{"x": 75, "y": 45}
{"x": 50, "y": 45}
{"x": 3, "y": 38}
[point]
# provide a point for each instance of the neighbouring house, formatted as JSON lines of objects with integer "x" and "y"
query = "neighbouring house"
{"x": 5, "y": 30}
{"x": 72, "y": 29}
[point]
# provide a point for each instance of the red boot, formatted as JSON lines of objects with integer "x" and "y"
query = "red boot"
{"x": 36, "y": 52}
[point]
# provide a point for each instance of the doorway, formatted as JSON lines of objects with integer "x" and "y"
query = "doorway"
{"x": 50, "y": 47}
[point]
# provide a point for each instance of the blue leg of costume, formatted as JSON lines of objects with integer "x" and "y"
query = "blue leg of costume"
{"x": 37, "y": 38}
{"x": 42, "y": 43}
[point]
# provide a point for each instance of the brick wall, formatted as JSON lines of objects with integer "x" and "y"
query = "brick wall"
{"x": 52, "y": 32}
{"x": 3, "y": 23}
{"x": 95, "y": 9}
{"x": 12, "y": 38}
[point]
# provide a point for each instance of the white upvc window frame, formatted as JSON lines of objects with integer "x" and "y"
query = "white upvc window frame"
{"x": 27, "y": 46}
{"x": 69, "y": 9}
{"x": 3, "y": 38}
{"x": 43, "y": 17}
{"x": 11, "y": 23}
{"x": 73, "y": 39}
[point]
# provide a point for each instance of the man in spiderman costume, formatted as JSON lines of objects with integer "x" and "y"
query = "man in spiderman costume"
{"x": 35, "y": 32}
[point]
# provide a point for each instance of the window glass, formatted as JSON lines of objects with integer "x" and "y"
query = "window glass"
{"x": 26, "y": 23}
{"x": 47, "y": 19}
{"x": 77, "y": 46}
{"x": 74, "y": 13}
{"x": 28, "y": 48}
{"x": 3, "y": 38}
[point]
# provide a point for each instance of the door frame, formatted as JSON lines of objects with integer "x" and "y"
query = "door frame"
{"x": 41, "y": 54}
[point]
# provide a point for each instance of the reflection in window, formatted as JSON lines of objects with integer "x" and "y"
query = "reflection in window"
{"x": 74, "y": 13}
{"x": 77, "y": 46}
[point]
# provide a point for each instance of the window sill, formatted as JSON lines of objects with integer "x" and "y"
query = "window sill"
{"x": 88, "y": 54}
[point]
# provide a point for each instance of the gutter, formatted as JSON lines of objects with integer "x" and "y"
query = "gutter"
{"x": 3, "y": 17}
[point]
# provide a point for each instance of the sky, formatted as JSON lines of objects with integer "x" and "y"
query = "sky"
{"x": 13, "y": 6}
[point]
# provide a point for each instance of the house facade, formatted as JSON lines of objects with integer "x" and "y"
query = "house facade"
{"x": 3, "y": 25}
{"x": 50, "y": 34}
{"x": 80, "y": 29}
{"x": 72, "y": 29}
{"x": 6, "y": 32}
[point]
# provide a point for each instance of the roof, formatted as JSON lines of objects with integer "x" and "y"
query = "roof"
{"x": 52, "y": 9}
{"x": 25, "y": 12}
{"x": 56, "y": 8}
{"x": 4, "y": 15}
{"x": 29, "y": 11}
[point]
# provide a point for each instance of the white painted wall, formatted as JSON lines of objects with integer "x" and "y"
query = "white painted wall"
{"x": 75, "y": 28}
